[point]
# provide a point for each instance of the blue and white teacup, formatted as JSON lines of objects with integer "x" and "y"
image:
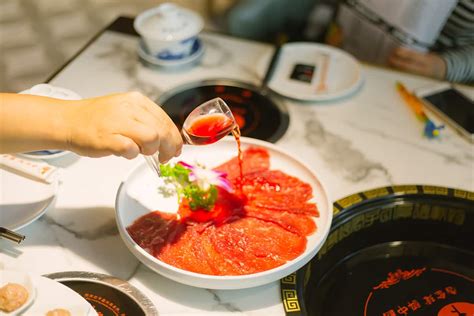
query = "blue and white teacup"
{"x": 169, "y": 32}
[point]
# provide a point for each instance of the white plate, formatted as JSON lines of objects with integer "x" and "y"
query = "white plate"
{"x": 343, "y": 75}
{"x": 23, "y": 279}
{"x": 197, "y": 53}
{"x": 138, "y": 195}
{"x": 23, "y": 200}
{"x": 45, "y": 154}
{"x": 50, "y": 295}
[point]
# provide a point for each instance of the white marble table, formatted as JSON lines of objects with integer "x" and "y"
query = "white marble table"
{"x": 368, "y": 140}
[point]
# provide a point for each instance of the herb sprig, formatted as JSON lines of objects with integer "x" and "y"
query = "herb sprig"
{"x": 194, "y": 183}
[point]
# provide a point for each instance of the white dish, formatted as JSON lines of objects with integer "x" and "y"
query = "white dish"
{"x": 23, "y": 200}
{"x": 343, "y": 75}
{"x": 138, "y": 195}
{"x": 196, "y": 53}
{"x": 23, "y": 279}
{"x": 45, "y": 154}
{"x": 49, "y": 295}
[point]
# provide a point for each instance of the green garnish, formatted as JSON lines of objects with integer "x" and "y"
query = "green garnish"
{"x": 198, "y": 198}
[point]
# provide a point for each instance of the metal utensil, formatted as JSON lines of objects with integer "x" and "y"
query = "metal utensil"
{"x": 11, "y": 235}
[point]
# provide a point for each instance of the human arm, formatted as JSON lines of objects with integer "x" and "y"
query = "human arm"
{"x": 124, "y": 124}
{"x": 425, "y": 64}
{"x": 455, "y": 65}
{"x": 460, "y": 64}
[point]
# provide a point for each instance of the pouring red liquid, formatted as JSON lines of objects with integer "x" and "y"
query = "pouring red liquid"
{"x": 208, "y": 129}
{"x": 206, "y": 126}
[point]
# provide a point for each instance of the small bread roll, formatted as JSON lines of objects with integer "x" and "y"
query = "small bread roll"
{"x": 58, "y": 312}
{"x": 12, "y": 297}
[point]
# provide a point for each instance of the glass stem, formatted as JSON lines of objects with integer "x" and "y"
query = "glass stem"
{"x": 153, "y": 164}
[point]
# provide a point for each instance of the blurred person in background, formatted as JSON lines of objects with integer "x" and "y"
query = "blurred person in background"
{"x": 433, "y": 38}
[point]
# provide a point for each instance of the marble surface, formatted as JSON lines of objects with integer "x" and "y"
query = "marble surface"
{"x": 366, "y": 140}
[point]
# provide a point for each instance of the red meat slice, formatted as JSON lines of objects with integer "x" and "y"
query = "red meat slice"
{"x": 252, "y": 245}
{"x": 218, "y": 263}
{"x": 186, "y": 252}
{"x": 281, "y": 204}
{"x": 300, "y": 224}
{"x": 272, "y": 183}
{"x": 154, "y": 230}
{"x": 277, "y": 191}
{"x": 254, "y": 160}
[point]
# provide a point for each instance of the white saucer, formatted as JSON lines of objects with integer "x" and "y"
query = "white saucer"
{"x": 196, "y": 54}
{"x": 23, "y": 200}
{"x": 343, "y": 75}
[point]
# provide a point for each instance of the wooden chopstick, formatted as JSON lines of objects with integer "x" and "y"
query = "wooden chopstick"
{"x": 324, "y": 70}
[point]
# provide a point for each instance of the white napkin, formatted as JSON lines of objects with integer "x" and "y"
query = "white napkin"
{"x": 36, "y": 169}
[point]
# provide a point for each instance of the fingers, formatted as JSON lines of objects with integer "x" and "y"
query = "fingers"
{"x": 406, "y": 53}
{"x": 172, "y": 142}
{"x": 409, "y": 60}
{"x": 167, "y": 151}
{"x": 123, "y": 146}
{"x": 405, "y": 64}
{"x": 145, "y": 137}
{"x": 125, "y": 125}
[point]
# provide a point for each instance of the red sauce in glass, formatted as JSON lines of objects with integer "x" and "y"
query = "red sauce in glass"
{"x": 208, "y": 129}
{"x": 259, "y": 229}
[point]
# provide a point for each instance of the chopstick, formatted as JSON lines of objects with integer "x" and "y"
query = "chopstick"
{"x": 271, "y": 67}
{"x": 324, "y": 70}
{"x": 11, "y": 235}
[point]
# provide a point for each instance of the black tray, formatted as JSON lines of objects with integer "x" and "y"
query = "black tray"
{"x": 401, "y": 250}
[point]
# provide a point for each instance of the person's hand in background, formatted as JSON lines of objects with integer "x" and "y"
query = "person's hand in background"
{"x": 425, "y": 64}
{"x": 125, "y": 124}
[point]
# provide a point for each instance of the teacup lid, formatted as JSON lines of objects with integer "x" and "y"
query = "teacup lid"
{"x": 168, "y": 22}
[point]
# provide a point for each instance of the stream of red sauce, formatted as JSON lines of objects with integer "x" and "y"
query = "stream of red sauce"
{"x": 260, "y": 228}
{"x": 236, "y": 133}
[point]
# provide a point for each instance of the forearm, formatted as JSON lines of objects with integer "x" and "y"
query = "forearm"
{"x": 32, "y": 123}
{"x": 460, "y": 64}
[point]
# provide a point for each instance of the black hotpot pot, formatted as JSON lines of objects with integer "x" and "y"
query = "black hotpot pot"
{"x": 259, "y": 113}
{"x": 401, "y": 250}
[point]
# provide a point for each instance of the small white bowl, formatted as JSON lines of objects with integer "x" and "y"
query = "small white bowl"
{"x": 169, "y": 31}
{"x": 137, "y": 196}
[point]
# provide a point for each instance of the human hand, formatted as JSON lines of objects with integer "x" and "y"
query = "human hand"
{"x": 426, "y": 64}
{"x": 125, "y": 124}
